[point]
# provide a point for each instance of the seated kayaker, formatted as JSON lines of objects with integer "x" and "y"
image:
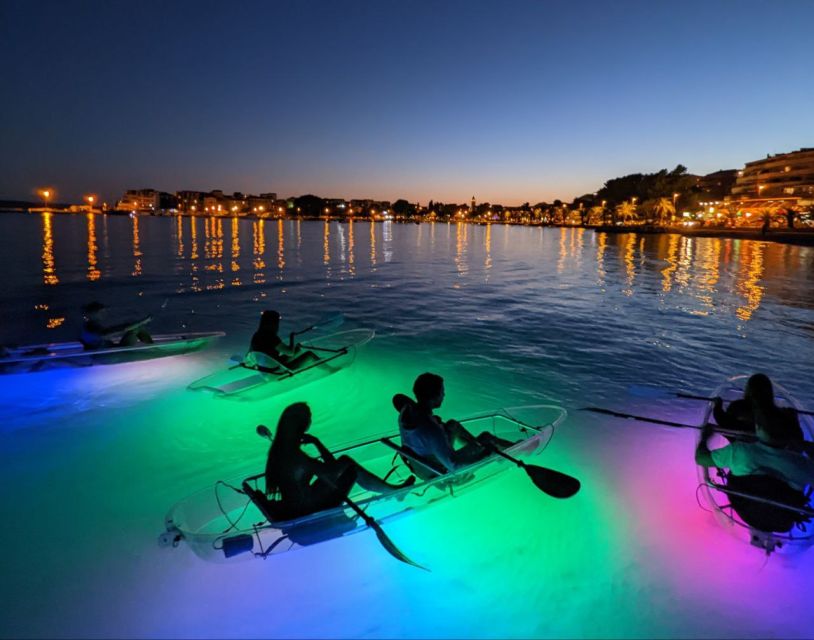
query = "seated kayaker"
{"x": 306, "y": 485}
{"x": 267, "y": 349}
{"x": 758, "y": 399}
{"x": 96, "y": 335}
{"x": 434, "y": 439}
{"x": 768, "y": 456}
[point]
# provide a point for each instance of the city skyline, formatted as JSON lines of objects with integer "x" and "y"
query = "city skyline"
{"x": 526, "y": 103}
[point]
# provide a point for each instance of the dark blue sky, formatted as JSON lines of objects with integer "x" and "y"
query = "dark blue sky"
{"x": 509, "y": 101}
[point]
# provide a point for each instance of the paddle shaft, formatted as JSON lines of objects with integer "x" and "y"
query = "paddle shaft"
{"x": 690, "y": 396}
{"x": 666, "y": 423}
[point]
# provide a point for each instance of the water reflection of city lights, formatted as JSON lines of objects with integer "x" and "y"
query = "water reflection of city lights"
{"x": 351, "y": 257}
{"x": 280, "y": 247}
{"x": 259, "y": 249}
{"x": 49, "y": 271}
{"x": 751, "y": 262}
{"x": 630, "y": 265}
{"x": 93, "y": 272}
{"x": 372, "y": 243}
{"x": 601, "y": 247}
{"x": 137, "y": 267}
{"x": 487, "y": 244}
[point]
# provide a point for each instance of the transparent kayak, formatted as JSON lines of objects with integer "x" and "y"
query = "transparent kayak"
{"x": 38, "y": 357}
{"x": 336, "y": 351}
{"x": 718, "y": 495}
{"x": 222, "y": 523}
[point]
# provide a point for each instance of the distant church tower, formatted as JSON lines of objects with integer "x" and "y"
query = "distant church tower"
{"x": 472, "y": 206}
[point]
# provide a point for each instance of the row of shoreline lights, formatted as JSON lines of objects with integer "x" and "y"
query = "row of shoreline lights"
{"x": 47, "y": 194}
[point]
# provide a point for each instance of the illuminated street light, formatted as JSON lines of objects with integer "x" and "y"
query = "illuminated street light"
{"x": 46, "y": 195}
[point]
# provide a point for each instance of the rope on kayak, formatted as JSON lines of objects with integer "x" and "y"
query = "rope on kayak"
{"x": 232, "y": 525}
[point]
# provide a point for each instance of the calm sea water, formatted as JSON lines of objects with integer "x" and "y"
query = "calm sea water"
{"x": 91, "y": 459}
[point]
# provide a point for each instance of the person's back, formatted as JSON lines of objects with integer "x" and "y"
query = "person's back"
{"x": 266, "y": 339}
{"x": 422, "y": 434}
{"x": 761, "y": 458}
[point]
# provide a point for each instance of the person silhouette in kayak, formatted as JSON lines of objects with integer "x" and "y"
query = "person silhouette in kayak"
{"x": 96, "y": 335}
{"x": 266, "y": 343}
{"x": 306, "y": 484}
{"x": 434, "y": 439}
{"x": 758, "y": 400}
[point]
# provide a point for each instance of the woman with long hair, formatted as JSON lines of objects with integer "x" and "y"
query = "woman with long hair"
{"x": 305, "y": 484}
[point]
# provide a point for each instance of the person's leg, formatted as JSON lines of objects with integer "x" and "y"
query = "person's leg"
{"x": 128, "y": 339}
{"x": 456, "y": 432}
{"x": 144, "y": 336}
{"x": 371, "y": 482}
{"x": 303, "y": 360}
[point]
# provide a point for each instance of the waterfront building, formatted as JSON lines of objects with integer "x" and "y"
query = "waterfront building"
{"x": 717, "y": 185}
{"x": 139, "y": 200}
{"x": 190, "y": 200}
{"x": 785, "y": 175}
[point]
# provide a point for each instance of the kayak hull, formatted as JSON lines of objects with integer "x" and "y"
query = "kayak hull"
{"x": 337, "y": 351}
{"x": 215, "y": 524}
{"x": 712, "y": 482}
{"x": 44, "y": 357}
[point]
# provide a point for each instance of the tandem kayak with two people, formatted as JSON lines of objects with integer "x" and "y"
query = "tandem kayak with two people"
{"x": 242, "y": 517}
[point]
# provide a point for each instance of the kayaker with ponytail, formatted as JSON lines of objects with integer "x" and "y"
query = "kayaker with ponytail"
{"x": 267, "y": 344}
{"x": 290, "y": 471}
{"x": 434, "y": 439}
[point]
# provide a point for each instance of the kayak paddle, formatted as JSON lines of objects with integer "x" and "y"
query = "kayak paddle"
{"x": 554, "y": 483}
{"x": 383, "y": 538}
{"x": 330, "y": 321}
{"x": 666, "y": 423}
{"x": 657, "y": 393}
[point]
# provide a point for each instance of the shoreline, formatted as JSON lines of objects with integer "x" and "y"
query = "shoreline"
{"x": 800, "y": 237}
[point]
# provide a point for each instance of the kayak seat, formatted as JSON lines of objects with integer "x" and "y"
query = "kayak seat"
{"x": 419, "y": 465}
{"x": 302, "y": 534}
{"x": 270, "y": 508}
{"x": 760, "y": 515}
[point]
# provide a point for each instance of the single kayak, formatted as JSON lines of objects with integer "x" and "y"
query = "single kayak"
{"x": 40, "y": 357}
{"x": 335, "y": 351}
{"x": 767, "y": 513}
{"x": 232, "y": 518}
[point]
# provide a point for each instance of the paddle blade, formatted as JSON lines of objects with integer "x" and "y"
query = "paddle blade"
{"x": 263, "y": 431}
{"x": 554, "y": 483}
{"x": 391, "y": 548}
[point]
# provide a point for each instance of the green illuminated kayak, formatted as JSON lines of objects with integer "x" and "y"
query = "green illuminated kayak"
{"x": 335, "y": 351}
{"x": 753, "y": 508}
{"x": 38, "y": 357}
{"x": 230, "y": 520}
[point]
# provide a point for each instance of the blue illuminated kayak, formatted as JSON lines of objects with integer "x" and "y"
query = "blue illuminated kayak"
{"x": 335, "y": 351}
{"x": 228, "y": 520}
{"x": 762, "y": 520}
{"x": 39, "y": 357}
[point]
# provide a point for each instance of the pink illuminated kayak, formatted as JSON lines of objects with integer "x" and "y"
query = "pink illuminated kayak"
{"x": 771, "y": 516}
{"x": 231, "y": 519}
{"x": 40, "y": 357}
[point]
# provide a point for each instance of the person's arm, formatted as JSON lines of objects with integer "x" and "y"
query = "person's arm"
{"x": 721, "y": 417}
{"x": 703, "y": 456}
{"x": 126, "y": 326}
{"x": 324, "y": 453}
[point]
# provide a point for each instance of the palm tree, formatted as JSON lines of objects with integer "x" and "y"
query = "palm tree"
{"x": 626, "y": 211}
{"x": 663, "y": 208}
{"x": 595, "y": 214}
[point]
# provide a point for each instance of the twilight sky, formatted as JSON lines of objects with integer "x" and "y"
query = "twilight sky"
{"x": 510, "y": 101}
